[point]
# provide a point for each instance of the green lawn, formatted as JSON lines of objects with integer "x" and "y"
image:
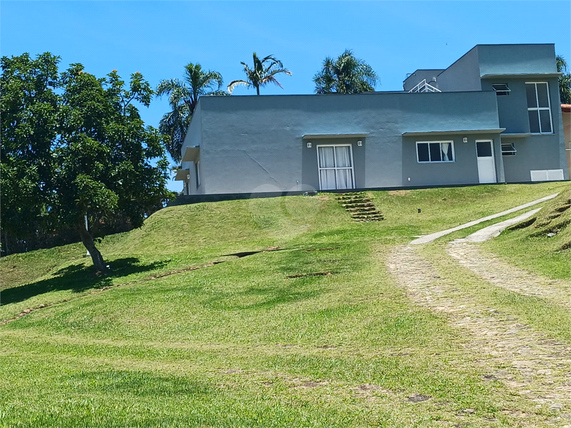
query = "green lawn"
{"x": 311, "y": 332}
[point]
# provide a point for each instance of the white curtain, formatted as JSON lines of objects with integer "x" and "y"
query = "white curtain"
{"x": 327, "y": 177}
{"x": 335, "y": 168}
{"x": 326, "y": 157}
{"x": 444, "y": 149}
{"x": 342, "y": 157}
{"x": 344, "y": 179}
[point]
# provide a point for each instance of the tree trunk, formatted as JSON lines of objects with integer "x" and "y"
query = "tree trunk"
{"x": 87, "y": 240}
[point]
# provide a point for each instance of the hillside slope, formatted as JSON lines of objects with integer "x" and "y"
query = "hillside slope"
{"x": 267, "y": 312}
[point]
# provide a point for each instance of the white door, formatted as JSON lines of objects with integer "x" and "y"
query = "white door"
{"x": 486, "y": 164}
{"x": 335, "y": 164}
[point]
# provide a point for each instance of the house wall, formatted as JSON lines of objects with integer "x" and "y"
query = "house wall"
{"x": 464, "y": 170}
{"x": 256, "y": 144}
{"x": 463, "y": 75}
{"x": 516, "y": 59}
{"x": 310, "y": 174}
{"x": 534, "y": 151}
{"x": 193, "y": 138}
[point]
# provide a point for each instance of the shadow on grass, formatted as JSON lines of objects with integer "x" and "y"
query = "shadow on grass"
{"x": 267, "y": 297}
{"x": 77, "y": 278}
{"x": 142, "y": 384}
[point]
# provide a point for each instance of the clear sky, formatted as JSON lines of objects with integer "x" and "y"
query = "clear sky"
{"x": 158, "y": 38}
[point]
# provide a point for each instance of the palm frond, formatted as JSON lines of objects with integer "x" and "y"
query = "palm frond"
{"x": 235, "y": 83}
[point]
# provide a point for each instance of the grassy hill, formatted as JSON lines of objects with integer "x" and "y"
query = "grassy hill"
{"x": 265, "y": 312}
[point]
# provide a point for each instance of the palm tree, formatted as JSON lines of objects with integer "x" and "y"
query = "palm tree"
{"x": 264, "y": 72}
{"x": 564, "y": 80}
{"x": 345, "y": 75}
{"x": 183, "y": 97}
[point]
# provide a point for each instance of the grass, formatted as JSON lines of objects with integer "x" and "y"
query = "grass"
{"x": 311, "y": 333}
{"x": 543, "y": 242}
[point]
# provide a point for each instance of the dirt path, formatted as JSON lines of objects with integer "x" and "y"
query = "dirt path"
{"x": 501, "y": 274}
{"x": 526, "y": 361}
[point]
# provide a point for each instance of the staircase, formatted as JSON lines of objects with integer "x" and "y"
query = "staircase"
{"x": 424, "y": 86}
{"x": 359, "y": 206}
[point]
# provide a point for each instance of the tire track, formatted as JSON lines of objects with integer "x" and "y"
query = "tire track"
{"x": 501, "y": 274}
{"x": 526, "y": 361}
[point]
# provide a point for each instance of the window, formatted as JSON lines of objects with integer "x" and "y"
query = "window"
{"x": 508, "y": 149}
{"x": 501, "y": 89}
{"x": 335, "y": 164}
{"x": 441, "y": 151}
{"x": 197, "y": 172}
{"x": 538, "y": 108}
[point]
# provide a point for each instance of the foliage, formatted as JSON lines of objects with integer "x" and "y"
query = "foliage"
{"x": 183, "y": 97}
{"x": 90, "y": 154}
{"x": 345, "y": 75}
{"x": 262, "y": 73}
{"x": 564, "y": 80}
{"x": 541, "y": 243}
{"x": 29, "y": 105}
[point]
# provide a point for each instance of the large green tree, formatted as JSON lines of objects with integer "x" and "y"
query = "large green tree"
{"x": 264, "y": 71}
{"x": 30, "y": 105}
{"x": 564, "y": 80}
{"x": 345, "y": 74}
{"x": 183, "y": 97}
{"x": 101, "y": 160}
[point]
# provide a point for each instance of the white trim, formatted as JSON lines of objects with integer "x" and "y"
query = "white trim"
{"x": 326, "y": 136}
{"x": 538, "y": 109}
{"x": 439, "y": 142}
{"x": 352, "y": 167}
{"x": 503, "y": 91}
{"x": 512, "y": 150}
{"x": 428, "y": 134}
{"x": 495, "y": 180}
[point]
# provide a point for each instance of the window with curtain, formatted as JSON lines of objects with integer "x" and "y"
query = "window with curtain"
{"x": 538, "y": 108}
{"x": 435, "y": 151}
{"x": 335, "y": 167}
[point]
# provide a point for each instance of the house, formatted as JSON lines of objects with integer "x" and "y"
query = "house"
{"x": 491, "y": 117}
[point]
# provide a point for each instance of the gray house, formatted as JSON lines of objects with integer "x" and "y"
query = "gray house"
{"x": 491, "y": 117}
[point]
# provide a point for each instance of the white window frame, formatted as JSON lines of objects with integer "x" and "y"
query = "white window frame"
{"x": 501, "y": 89}
{"x": 538, "y": 109}
{"x": 436, "y": 142}
{"x": 511, "y": 151}
{"x": 352, "y": 167}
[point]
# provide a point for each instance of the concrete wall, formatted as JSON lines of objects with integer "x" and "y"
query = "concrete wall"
{"x": 463, "y": 75}
{"x": 193, "y": 138}
{"x": 464, "y": 170}
{"x": 255, "y": 143}
{"x": 517, "y": 59}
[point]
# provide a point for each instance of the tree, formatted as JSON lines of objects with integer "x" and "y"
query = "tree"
{"x": 345, "y": 75}
{"x": 263, "y": 72}
{"x": 564, "y": 80}
{"x": 29, "y": 105}
{"x": 101, "y": 160}
{"x": 183, "y": 97}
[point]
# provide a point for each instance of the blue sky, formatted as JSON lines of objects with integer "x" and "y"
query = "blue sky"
{"x": 158, "y": 38}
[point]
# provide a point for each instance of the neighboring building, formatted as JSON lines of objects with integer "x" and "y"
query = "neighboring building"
{"x": 491, "y": 117}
